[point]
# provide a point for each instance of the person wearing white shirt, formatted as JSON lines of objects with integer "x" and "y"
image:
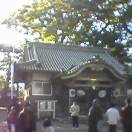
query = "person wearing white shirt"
{"x": 74, "y": 110}
{"x": 113, "y": 117}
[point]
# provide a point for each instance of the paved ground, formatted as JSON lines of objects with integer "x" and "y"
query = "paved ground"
{"x": 58, "y": 125}
{"x": 67, "y": 127}
{"x": 64, "y": 127}
{"x": 3, "y": 114}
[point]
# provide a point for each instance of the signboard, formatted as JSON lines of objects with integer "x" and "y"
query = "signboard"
{"x": 46, "y": 106}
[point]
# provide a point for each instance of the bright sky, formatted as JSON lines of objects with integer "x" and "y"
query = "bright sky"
{"x": 8, "y": 35}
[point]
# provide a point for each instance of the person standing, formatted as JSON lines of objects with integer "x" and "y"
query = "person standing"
{"x": 26, "y": 120}
{"x": 113, "y": 116}
{"x": 12, "y": 119}
{"x": 74, "y": 110}
{"x": 17, "y": 105}
{"x": 126, "y": 116}
{"x": 95, "y": 114}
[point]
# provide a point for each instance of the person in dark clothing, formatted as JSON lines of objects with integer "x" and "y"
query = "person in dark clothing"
{"x": 12, "y": 119}
{"x": 126, "y": 115}
{"x": 26, "y": 120}
{"x": 94, "y": 116}
{"x": 17, "y": 106}
{"x": 47, "y": 126}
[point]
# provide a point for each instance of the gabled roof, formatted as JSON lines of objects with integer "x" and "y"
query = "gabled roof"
{"x": 51, "y": 57}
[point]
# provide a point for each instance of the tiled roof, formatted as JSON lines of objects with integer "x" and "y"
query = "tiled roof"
{"x": 51, "y": 57}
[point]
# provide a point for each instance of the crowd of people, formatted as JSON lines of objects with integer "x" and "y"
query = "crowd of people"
{"x": 97, "y": 116}
{"x": 23, "y": 119}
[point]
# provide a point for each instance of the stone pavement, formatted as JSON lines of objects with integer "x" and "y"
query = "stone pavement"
{"x": 67, "y": 127}
{"x": 63, "y": 127}
{"x": 3, "y": 114}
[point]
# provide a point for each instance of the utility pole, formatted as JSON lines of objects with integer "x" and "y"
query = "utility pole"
{"x": 12, "y": 74}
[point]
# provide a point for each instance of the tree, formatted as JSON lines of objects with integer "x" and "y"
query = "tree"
{"x": 5, "y": 64}
{"x": 98, "y": 23}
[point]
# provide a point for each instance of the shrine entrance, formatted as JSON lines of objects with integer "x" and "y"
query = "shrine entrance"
{"x": 94, "y": 81}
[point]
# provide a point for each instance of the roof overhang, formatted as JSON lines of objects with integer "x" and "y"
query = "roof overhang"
{"x": 96, "y": 67}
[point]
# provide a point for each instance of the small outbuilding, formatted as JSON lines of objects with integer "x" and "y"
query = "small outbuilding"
{"x": 55, "y": 75}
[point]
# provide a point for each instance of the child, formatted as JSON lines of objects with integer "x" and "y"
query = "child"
{"x": 47, "y": 126}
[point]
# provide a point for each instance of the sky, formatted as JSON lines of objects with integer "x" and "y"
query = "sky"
{"x": 7, "y": 7}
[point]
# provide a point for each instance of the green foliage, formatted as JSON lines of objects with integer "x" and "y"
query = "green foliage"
{"x": 6, "y": 60}
{"x": 99, "y": 23}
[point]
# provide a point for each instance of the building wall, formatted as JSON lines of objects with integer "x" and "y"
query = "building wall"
{"x": 41, "y": 75}
{"x": 120, "y": 93}
{"x": 62, "y": 96}
{"x": 59, "y": 93}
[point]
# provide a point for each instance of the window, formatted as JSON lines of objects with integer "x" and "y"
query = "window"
{"x": 41, "y": 88}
